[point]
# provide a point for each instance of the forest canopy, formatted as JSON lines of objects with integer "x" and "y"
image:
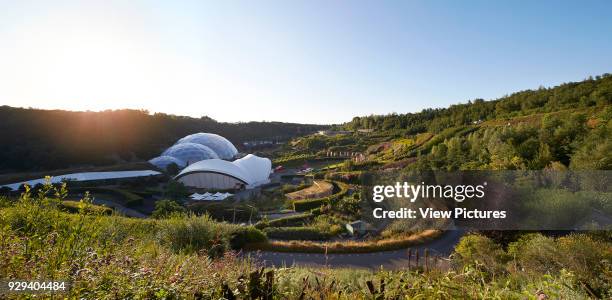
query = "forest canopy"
{"x": 35, "y": 139}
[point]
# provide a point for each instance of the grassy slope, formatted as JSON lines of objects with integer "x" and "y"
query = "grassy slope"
{"x": 108, "y": 257}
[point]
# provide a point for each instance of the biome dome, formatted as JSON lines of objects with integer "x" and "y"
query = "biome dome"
{"x": 190, "y": 152}
{"x": 249, "y": 171}
{"x": 163, "y": 161}
{"x": 224, "y": 148}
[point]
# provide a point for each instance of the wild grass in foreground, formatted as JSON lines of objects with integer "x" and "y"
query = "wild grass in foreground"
{"x": 112, "y": 257}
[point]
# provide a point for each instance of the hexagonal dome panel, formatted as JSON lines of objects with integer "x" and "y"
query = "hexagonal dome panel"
{"x": 163, "y": 161}
{"x": 190, "y": 152}
{"x": 223, "y": 147}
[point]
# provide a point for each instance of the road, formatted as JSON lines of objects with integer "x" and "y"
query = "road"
{"x": 397, "y": 259}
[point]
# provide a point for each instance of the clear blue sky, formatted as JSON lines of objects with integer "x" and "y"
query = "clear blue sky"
{"x": 307, "y": 61}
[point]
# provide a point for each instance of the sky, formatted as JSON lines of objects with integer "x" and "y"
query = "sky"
{"x": 294, "y": 61}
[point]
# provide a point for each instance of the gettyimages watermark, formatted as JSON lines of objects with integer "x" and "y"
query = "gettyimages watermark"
{"x": 489, "y": 200}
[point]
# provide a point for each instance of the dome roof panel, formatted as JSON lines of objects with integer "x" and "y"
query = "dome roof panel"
{"x": 190, "y": 152}
{"x": 163, "y": 161}
{"x": 223, "y": 147}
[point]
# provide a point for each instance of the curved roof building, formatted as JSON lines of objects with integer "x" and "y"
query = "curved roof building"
{"x": 190, "y": 152}
{"x": 163, "y": 161}
{"x": 224, "y": 148}
{"x": 249, "y": 171}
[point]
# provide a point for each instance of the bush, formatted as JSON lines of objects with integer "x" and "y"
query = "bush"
{"x": 480, "y": 251}
{"x": 246, "y": 235}
{"x": 193, "y": 233}
{"x": 166, "y": 208}
{"x": 586, "y": 258}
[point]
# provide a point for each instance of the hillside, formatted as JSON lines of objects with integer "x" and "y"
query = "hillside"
{"x": 34, "y": 139}
{"x": 183, "y": 249}
{"x": 591, "y": 92}
{"x": 567, "y": 126}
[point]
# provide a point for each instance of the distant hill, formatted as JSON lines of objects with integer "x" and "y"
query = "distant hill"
{"x": 35, "y": 139}
{"x": 564, "y": 127}
{"x": 591, "y": 92}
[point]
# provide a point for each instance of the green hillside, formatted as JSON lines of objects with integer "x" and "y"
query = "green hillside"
{"x": 34, "y": 139}
{"x": 188, "y": 250}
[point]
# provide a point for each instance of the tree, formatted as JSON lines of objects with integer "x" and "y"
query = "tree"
{"x": 172, "y": 169}
{"x": 176, "y": 190}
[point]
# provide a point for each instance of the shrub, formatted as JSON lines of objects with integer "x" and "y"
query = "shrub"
{"x": 480, "y": 251}
{"x": 587, "y": 259}
{"x": 304, "y": 205}
{"x": 246, "y": 235}
{"x": 193, "y": 233}
{"x": 166, "y": 208}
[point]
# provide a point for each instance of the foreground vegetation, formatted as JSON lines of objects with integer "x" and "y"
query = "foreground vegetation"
{"x": 109, "y": 257}
{"x": 183, "y": 256}
{"x": 189, "y": 251}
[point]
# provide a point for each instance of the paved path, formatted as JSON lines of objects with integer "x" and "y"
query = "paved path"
{"x": 397, "y": 259}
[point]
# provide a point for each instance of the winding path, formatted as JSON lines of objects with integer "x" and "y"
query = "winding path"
{"x": 397, "y": 259}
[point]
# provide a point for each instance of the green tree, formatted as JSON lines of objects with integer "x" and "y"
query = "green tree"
{"x": 176, "y": 190}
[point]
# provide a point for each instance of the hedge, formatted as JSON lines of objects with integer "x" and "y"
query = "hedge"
{"x": 353, "y": 177}
{"x": 293, "y": 158}
{"x": 308, "y": 204}
{"x": 296, "y": 233}
{"x": 291, "y": 221}
{"x": 347, "y": 246}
